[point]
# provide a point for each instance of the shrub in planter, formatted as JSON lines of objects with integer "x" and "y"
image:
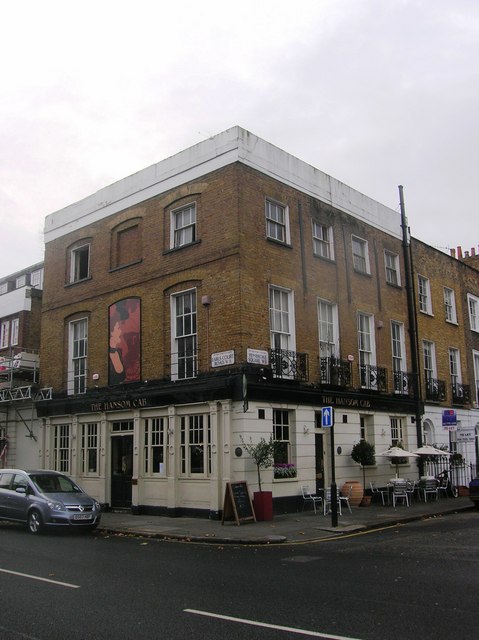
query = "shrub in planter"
{"x": 364, "y": 453}
{"x": 262, "y": 454}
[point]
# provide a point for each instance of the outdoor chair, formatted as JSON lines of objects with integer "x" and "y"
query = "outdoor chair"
{"x": 378, "y": 492}
{"x": 340, "y": 499}
{"x": 410, "y": 489}
{"x": 309, "y": 497}
{"x": 345, "y": 499}
{"x": 399, "y": 492}
{"x": 429, "y": 488}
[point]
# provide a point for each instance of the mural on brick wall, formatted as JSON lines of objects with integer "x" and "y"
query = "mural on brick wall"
{"x": 125, "y": 341}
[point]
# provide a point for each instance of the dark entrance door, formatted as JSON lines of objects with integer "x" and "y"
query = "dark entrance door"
{"x": 121, "y": 470}
{"x": 319, "y": 452}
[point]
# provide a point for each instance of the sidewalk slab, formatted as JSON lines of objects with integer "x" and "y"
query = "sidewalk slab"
{"x": 294, "y": 527}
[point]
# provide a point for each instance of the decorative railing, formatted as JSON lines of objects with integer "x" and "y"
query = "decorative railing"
{"x": 435, "y": 389}
{"x": 403, "y": 383}
{"x": 373, "y": 378}
{"x": 335, "y": 372}
{"x": 461, "y": 393}
{"x": 289, "y": 364}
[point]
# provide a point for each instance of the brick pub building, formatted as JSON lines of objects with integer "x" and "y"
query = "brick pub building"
{"x": 225, "y": 294}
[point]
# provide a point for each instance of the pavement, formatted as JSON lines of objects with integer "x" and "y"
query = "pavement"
{"x": 285, "y": 528}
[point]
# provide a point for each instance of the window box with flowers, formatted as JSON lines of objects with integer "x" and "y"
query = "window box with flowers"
{"x": 284, "y": 471}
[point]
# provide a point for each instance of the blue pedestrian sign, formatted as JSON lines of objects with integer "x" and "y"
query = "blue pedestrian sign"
{"x": 327, "y": 417}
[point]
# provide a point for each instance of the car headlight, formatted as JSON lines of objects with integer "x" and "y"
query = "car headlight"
{"x": 56, "y": 506}
{"x": 97, "y": 506}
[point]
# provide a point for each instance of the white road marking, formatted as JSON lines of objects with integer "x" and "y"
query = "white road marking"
{"x": 254, "y": 623}
{"x": 26, "y": 575}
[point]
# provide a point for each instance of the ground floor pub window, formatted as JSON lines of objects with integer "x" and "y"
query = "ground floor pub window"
{"x": 195, "y": 445}
{"x": 89, "y": 448}
{"x": 61, "y": 448}
{"x": 154, "y": 446}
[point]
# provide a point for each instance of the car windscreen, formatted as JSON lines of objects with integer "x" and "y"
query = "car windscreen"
{"x": 48, "y": 483}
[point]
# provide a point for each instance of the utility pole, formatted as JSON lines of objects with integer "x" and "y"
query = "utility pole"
{"x": 412, "y": 318}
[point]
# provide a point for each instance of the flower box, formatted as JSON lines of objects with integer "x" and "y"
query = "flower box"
{"x": 284, "y": 470}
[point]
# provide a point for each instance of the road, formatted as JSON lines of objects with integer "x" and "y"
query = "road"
{"x": 419, "y": 580}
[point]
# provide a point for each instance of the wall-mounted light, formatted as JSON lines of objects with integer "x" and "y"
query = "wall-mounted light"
{"x": 96, "y": 376}
{"x": 206, "y": 301}
{"x": 350, "y": 357}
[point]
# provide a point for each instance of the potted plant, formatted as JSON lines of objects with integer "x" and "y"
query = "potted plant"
{"x": 262, "y": 454}
{"x": 364, "y": 453}
{"x": 456, "y": 459}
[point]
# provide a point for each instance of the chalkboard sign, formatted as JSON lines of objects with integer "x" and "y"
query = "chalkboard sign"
{"x": 237, "y": 504}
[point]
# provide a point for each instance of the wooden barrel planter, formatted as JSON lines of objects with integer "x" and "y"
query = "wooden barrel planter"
{"x": 356, "y": 492}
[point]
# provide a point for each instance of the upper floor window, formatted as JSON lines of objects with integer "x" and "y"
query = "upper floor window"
{"x": 323, "y": 241}
{"x": 450, "y": 305}
{"x": 454, "y": 366}
{"x": 328, "y": 329}
{"x": 77, "y": 356}
{"x": 126, "y": 244}
{"x": 277, "y": 222}
{"x": 429, "y": 358}
{"x": 80, "y": 263}
{"x": 360, "y": 255}
{"x": 473, "y": 305}
{"x": 4, "y": 334}
{"x": 475, "y": 355}
{"x": 281, "y": 318}
{"x": 391, "y": 261}
{"x": 36, "y": 279}
{"x": 14, "y": 330}
{"x": 183, "y": 226}
{"x": 21, "y": 281}
{"x": 398, "y": 347}
{"x": 3, "y": 288}
{"x": 424, "y": 295}
{"x": 184, "y": 357}
{"x": 367, "y": 350}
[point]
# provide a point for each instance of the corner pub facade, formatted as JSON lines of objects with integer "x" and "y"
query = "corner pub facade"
{"x": 225, "y": 294}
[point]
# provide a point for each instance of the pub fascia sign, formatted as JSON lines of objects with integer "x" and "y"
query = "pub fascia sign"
{"x": 116, "y": 405}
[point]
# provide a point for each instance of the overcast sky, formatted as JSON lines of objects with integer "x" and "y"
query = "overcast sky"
{"x": 376, "y": 93}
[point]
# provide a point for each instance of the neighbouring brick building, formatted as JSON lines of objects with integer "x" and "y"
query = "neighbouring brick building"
{"x": 225, "y": 294}
{"x": 20, "y": 324}
{"x": 448, "y": 327}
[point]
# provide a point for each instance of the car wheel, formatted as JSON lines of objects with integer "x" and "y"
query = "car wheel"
{"x": 34, "y": 522}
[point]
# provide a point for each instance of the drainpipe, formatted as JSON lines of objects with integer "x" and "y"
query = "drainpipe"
{"x": 412, "y": 319}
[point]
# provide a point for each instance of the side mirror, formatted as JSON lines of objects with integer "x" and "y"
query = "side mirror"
{"x": 21, "y": 490}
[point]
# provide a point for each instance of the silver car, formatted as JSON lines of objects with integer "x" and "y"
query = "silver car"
{"x": 43, "y": 499}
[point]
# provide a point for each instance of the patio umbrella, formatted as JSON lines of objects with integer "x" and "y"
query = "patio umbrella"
{"x": 429, "y": 450}
{"x": 396, "y": 453}
{"x": 433, "y": 452}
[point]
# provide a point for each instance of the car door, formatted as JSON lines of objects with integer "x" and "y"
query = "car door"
{"x": 5, "y": 481}
{"x": 18, "y": 497}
